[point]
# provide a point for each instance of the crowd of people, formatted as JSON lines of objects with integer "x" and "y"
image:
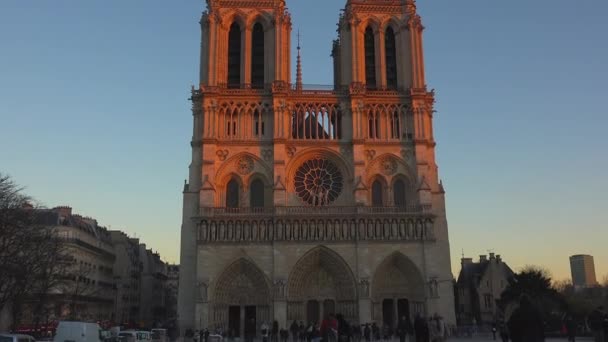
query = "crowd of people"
{"x": 525, "y": 324}
{"x": 334, "y": 328}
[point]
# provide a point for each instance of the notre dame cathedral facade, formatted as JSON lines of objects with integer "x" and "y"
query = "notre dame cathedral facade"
{"x": 303, "y": 202}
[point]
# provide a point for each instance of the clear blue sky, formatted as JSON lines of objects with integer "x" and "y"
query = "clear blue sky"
{"x": 94, "y": 114}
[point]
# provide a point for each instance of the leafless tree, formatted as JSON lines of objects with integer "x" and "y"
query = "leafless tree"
{"x": 32, "y": 257}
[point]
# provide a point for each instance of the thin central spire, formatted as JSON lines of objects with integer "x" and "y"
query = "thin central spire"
{"x": 299, "y": 67}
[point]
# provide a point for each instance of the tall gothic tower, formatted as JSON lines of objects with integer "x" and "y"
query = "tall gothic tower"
{"x": 304, "y": 202}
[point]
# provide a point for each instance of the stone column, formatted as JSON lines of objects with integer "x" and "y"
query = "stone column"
{"x": 246, "y": 56}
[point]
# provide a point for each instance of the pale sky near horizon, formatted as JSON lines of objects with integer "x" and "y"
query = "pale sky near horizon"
{"x": 94, "y": 114}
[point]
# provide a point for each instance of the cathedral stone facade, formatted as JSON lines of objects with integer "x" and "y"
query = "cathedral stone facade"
{"x": 303, "y": 202}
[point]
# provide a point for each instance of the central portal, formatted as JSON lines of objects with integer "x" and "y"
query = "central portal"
{"x": 321, "y": 283}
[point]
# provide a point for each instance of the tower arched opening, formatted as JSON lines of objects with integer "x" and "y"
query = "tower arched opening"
{"x": 234, "y": 56}
{"x": 390, "y": 54}
{"x": 257, "y": 56}
{"x": 370, "y": 58}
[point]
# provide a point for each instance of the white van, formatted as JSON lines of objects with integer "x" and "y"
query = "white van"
{"x": 68, "y": 331}
{"x": 135, "y": 336}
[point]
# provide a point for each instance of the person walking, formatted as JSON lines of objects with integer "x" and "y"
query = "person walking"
{"x": 402, "y": 329}
{"x": 294, "y": 331}
{"x": 570, "y": 325}
{"x": 595, "y": 319}
{"x": 367, "y": 333}
{"x": 265, "y": 330}
{"x": 275, "y": 332}
{"x": 526, "y": 324}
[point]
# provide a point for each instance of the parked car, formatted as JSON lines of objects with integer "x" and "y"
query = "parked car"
{"x": 16, "y": 338}
{"x": 135, "y": 336}
{"x": 68, "y": 331}
{"x": 159, "y": 335}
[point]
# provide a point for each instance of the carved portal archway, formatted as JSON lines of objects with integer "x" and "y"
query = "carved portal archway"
{"x": 320, "y": 283}
{"x": 242, "y": 292}
{"x": 397, "y": 290}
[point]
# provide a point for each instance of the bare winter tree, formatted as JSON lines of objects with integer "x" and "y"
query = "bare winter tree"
{"x": 32, "y": 257}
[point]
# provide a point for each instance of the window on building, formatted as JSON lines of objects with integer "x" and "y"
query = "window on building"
{"x": 234, "y": 56}
{"x": 488, "y": 301}
{"x": 257, "y": 56}
{"x": 391, "y": 58}
{"x": 373, "y": 126}
{"x": 399, "y": 193}
{"x": 258, "y": 130}
{"x": 232, "y": 194}
{"x": 370, "y": 58}
{"x": 395, "y": 125}
{"x": 256, "y": 194}
{"x": 377, "y": 194}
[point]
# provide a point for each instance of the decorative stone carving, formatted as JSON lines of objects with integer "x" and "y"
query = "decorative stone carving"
{"x": 279, "y": 289}
{"x": 318, "y": 182}
{"x": 222, "y": 154}
{"x": 406, "y": 154}
{"x": 357, "y": 88}
{"x": 433, "y": 288}
{"x": 291, "y": 151}
{"x": 370, "y": 154}
{"x": 364, "y": 288}
{"x": 244, "y": 165}
{"x": 388, "y": 166}
{"x": 202, "y": 291}
{"x": 267, "y": 155}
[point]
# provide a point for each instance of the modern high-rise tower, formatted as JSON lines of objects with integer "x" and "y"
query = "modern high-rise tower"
{"x": 303, "y": 202}
{"x": 582, "y": 268}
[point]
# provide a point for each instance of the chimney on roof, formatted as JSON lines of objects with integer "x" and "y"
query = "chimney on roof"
{"x": 466, "y": 261}
{"x": 498, "y": 259}
{"x": 483, "y": 258}
{"x": 64, "y": 211}
{"x": 492, "y": 256}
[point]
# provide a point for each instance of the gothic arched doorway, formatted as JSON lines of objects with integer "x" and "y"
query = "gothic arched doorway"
{"x": 242, "y": 298}
{"x": 319, "y": 284}
{"x": 397, "y": 290}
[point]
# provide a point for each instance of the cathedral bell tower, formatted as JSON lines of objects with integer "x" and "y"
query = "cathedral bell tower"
{"x": 245, "y": 44}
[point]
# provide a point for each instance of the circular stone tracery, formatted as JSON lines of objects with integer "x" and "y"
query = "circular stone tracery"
{"x": 318, "y": 182}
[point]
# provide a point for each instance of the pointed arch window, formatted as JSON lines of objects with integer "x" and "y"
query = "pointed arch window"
{"x": 373, "y": 124}
{"x": 395, "y": 125}
{"x": 231, "y": 123}
{"x": 370, "y": 58}
{"x": 257, "y": 56}
{"x": 234, "y": 56}
{"x": 399, "y": 193}
{"x": 256, "y": 194}
{"x": 391, "y": 58}
{"x": 258, "y": 129}
{"x": 232, "y": 194}
{"x": 377, "y": 194}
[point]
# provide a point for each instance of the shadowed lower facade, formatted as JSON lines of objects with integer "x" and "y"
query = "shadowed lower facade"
{"x": 302, "y": 202}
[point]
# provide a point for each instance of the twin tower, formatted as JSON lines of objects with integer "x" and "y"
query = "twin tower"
{"x": 306, "y": 202}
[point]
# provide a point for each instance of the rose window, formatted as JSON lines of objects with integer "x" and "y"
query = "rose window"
{"x": 318, "y": 182}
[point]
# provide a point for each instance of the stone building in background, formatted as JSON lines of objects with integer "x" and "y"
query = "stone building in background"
{"x": 152, "y": 309}
{"x": 127, "y": 274}
{"x": 88, "y": 291}
{"x": 172, "y": 287}
{"x": 479, "y": 286}
{"x": 304, "y": 201}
